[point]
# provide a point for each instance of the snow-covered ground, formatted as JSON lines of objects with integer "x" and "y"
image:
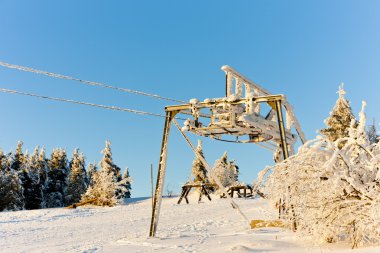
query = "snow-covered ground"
{"x": 206, "y": 227}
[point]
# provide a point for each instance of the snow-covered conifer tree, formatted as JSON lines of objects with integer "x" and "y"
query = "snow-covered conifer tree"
{"x": 103, "y": 189}
{"x": 3, "y": 160}
{"x": 372, "y": 133}
{"x": 56, "y": 182}
{"x": 43, "y": 169}
{"x": 106, "y": 185}
{"x": 18, "y": 158}
{"x": 20, "y": 165}
{"x": 77, "y": 180}
{"x": 235, "y": 170}
{"x": 117, "y": 172}
{"x": 339, "y": 121}
{"x": 198, "y": 169}
{"x": 33, "y": 189}
{"x": 91, "y": 173}
{"x": 331, "y": 189}
{"x": 124, "y": 185}
{"x": 107, "y": 164}
{"x": 11, "y": 191}
{"x": 225, "y": 171}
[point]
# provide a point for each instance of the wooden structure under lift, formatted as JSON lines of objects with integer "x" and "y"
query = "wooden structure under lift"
{"x": 238, "y": 115}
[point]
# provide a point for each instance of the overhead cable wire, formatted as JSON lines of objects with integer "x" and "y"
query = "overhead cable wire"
{"x": 115, "y": 108}
{"x": 50, "y": 74}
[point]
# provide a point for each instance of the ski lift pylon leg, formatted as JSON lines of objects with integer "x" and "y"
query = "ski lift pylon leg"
{"x": 280, "y": 121}
{"x": 161, "y": 174}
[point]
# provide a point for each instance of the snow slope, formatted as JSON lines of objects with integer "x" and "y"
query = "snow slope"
{"x": 206, "y": 227}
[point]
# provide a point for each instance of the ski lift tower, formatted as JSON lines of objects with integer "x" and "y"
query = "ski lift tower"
{"x": 235, "y": 118}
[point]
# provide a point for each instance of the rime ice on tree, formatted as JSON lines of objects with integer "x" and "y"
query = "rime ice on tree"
{"x": 372, "y": 133}
{"x": 56, "y": 182}
{"x": 107, "y": 186}
{"x": 107, "y": 164}
{"x": 339, "y": 121}
{"x": 33, "y": 182}
{"x": 33, "y": 189}
{"x": 331, "y": 188}
{"x": 226, "y": 171}
{"x": 91, "y": 173}
{"x": 198, "y": 169}
{"x": 77, "y": 179}
{"x": 11, "y": 191}
{"x": 43, "y": 169}
{"x": 124, "y": 185}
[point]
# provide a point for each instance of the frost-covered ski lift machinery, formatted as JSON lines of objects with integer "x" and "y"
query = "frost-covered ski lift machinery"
{"x": 238, "y": 115}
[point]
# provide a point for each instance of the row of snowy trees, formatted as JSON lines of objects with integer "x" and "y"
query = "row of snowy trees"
{"x": 331, "y": 188}
{"x": 226, "y": 171}
{"x": 34, "y": 181}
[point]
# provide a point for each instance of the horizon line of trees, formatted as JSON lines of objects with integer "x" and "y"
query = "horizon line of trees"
{"x": 35, "y": 181}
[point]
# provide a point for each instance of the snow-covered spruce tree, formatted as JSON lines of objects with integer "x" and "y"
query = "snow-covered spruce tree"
{"x": 33, "y": 189}
{"x": 117, "y": 171}
{"x": 107, "y": 183}
{"x": 103, "y": 190}
{"x": 77, "y": 180}
{"x": 124, "y": 189}
{"x": 219, "y": 170}
{"x": 43, "y": 169}
{"x": 331, "y": 188}
{"x": 18, "y": 158}
{"x": 339, "y": 120}
{"x": 91, "y": 173}
{"x": 107, "y": 164}
{"x": 19, "y": 164}
{"x": 372, "y": 133}
{"x": 3, "y": 160}
{"x": 198, "y": 169}
{"x": 11, "y": 191}
{"x": 235, "y": 172}
{"x": 226, "y": 171}
{"x": 56, "y": 183}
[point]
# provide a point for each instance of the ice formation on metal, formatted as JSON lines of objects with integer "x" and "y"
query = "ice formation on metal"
{"x": 239, "y": 114}
{"x": 237, "y": 117}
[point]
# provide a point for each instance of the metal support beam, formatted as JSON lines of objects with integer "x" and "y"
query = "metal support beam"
{"x": 274, "y": 101}
{"x": 263, "y": 99}
{"x": 281, "y": 127}
{"x": 161, "y": 174}
{"x": 226, "y": 85}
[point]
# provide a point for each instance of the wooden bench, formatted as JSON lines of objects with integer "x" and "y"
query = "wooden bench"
{"x": 205, "y": 189}
{"x": 242, "y": 191}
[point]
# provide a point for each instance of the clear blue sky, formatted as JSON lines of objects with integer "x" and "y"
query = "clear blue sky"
{"x": 303, "y": 49}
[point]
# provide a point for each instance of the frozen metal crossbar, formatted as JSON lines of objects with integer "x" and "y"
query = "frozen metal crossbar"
{"x": 238, "y": 117}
